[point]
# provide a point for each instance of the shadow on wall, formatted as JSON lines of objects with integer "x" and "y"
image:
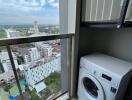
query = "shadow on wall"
{"x": 115, "y": 42}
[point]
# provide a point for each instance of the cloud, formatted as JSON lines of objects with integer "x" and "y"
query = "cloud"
{"x": 22, "y": 5}
{"x": 16, "y": 10}
{"x": 30, "y": 3}
{"x": 54, "y": 3}
{"x": 42, "y": 2}
{"x": 27, "y": 5}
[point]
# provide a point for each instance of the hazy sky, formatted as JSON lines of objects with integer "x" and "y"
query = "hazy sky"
{"x": 26, "y": 11}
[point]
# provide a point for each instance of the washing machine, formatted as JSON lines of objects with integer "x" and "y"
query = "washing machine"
{"x": 102, "y": 77}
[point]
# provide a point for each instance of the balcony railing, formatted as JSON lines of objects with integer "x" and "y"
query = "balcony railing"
{"x": 8, "y": 43}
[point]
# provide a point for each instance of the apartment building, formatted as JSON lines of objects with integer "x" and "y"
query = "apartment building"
{"x": 29, "y": 54}
{"x": 7, "y": 74}
{"x": 45, "y": 49}
{"x": 7, "y": 77}
{"x": 36, "y": 75}
{"x": 5, "y": 61}
{"x": 33, "y": 54}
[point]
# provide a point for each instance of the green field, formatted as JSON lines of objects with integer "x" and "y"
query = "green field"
{"x": 53, "y": 82}
{"x": 3, "y": 34}
{"x": 14, "y": 90}
{"x": 10, "y": 90}
{"x": 3, "y": 94}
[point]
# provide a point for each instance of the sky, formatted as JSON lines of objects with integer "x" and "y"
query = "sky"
{"x": 20, "y": 12}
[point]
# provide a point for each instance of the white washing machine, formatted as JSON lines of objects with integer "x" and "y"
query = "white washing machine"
{"x": 103, "y": 77}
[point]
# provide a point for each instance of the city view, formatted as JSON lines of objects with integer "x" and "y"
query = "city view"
{"x": 38, "y": 64}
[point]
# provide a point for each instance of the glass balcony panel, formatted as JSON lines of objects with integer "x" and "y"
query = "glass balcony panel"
{"x": 27, "y": 18}
{"x": 39, "y": 69}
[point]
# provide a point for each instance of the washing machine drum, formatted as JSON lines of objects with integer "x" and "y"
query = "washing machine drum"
{"x": 92, "y": 88}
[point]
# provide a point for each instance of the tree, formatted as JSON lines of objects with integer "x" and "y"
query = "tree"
{"x": 8, "y": 87}
{"x": 34, "y": 96}
{"x": 53, "y": 81}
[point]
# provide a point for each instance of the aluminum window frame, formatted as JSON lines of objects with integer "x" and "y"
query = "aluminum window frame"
{"x": 112, "y": 24}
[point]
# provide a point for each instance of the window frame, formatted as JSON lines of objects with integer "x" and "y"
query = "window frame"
{"x": 112, "y": 24}
{"x": 67, "y": 36}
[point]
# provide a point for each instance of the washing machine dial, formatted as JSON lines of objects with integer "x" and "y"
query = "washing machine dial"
{"x": 113, "y": 89}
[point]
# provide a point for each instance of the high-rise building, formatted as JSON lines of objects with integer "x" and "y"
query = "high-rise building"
{"x": 34, "y": 54}
{"x": 29, "y": 54}
{"x": 36, "y": 29}
{"x": 45, "y": 49}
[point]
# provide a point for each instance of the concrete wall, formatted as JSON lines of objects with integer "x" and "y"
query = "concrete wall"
{"x": 71, "y": 15}
{"x": 67, "y": 11}
{"x": 115, "y": 42}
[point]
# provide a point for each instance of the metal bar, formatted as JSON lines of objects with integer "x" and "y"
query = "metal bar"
{"x": 101, "y": 22}
{"x": 111, "y": 8}
{"x": 64, "y": 66}
{"x": 69, "y": 58}
{"x": 21, "y": 40}
{"x": 99, "y": 25}
{"x": 75, "y": 42}
{"x": 14, "y": 70}
{"x": 96, "y": 11}
{"x": 128, "y": 24}
{"x": 103, "y": 10}
{"x": 91, "y": 10}
{"x": 73, "y": 68}
{"x": 123, "y": 12}
{"x": 83, "y": 10}
{"x": 60, "y": 95}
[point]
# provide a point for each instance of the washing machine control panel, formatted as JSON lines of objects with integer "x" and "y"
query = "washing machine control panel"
{"x": 106, "y": 77}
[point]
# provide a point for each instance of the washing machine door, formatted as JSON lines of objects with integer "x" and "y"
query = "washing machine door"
{"x": 92, "y": 88}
